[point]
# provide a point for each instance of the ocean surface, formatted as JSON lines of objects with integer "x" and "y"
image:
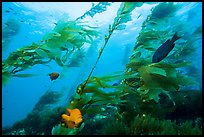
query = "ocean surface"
{"x": 108, "y": 52}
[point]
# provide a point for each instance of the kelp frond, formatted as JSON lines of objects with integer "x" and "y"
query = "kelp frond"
{"x": 62, "y": 45}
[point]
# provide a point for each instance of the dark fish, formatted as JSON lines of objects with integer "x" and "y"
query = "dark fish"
{"x": 139, "y": 16}
{"x": 164, "y": 49}
{"x": 10, "y": 8}
{"x": 6, "y": 24}
{"x": 54, "y": 75}
{"x": 117, "y": 83}
{"x": 7, "y": 11}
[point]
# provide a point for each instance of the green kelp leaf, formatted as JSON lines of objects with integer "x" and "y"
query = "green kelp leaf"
{"x": 70, "y": 30}
{"x": 59, "y": 61}
{"x": 155, "y": 81}
{"x": 167, "y": 65}
{"x": 80, "y": 101}
{"x": 25, "y": 75}
{"x": 124, "y": 18}
{"x": 154, "y": 94}
{"x": 154, "y": 70}
{"x": 91, "y": 32}
{"x": 124, "y": 13}
{"x": 184, "y": 80}
{"x": 90, "y": 40}
{"x": 6, "y": 76}
{"x": 135, "y": 64}
{"x": 47, "y": 36}
{"x": 171, "y": 72}
{"x": 170, "y": 69}
{"x": 164, "y": 9}
{"x": 130, "y": 6}
{"x": 151, "y": 2}
{"x": 26, "y": 57}
{"x": 120, "y": 27}
{"x": 112, "y": 77}
{"x": 148, "y": 47}
{"x": 41, "y": 53}
{"x": 165, "y": 83}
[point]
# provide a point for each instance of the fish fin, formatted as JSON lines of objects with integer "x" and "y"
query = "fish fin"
{"x": 175, "y": 37}
{"x": 167, "y": 41}
{"x": 173, "y": 46}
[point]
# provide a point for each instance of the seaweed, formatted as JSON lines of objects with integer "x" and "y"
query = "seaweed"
{"x": 163, "y": 77}
{"x": 147, "y": 99}
{"x": 164, "y": 9}
{"x": 62, "y": 45}
{"x": 99, "y": 8}
{"x": 123, "y": 16}
{"x": 147, "y": 125}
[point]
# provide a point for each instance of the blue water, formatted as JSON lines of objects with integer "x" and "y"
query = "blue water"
{"x": 20, "y": 95}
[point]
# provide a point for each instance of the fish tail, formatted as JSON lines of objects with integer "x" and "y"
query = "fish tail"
{"x": 175, "y": 37}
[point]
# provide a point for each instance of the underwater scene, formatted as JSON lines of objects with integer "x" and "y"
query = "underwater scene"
{"x": 102, "y": 68}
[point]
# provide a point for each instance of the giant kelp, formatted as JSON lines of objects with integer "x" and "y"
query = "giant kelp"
{"x": 99, "y": 8}
{"x": 63, "y": 45}
{"x": 92, "y": 103}
{"x": 143, "y": 99}
{"x": 142, "y": 79}
{"x": 163, "y": 76}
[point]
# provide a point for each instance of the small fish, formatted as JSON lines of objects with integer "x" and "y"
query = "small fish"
{"x": 7, "y": 11}
{"x": 139, "y": 16}
{"x": 117, "y": 83}
{"x": 10, "y": 8}
{"x": 6, "y": 24}
{"x": 54, "y": 75}
{"x": 164, "y": 49}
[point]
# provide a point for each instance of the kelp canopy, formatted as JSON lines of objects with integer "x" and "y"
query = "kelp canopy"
{"x": 144, "y": 91}
{"x": 63, "y": 45}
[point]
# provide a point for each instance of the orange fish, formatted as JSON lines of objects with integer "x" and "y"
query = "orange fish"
{"x": 54, "y": 75}
{"x": 73, "y": 119}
